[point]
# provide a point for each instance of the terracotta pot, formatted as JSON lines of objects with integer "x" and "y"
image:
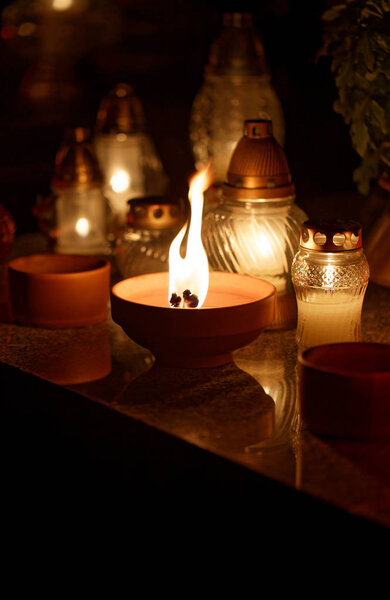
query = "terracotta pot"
{"x": 344, "y": 390}
{"x": 237, "y": 309}
{"x": 58, "y": 290}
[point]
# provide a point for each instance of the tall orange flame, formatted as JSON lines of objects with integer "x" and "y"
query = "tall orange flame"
{"x": 192, "y": 271}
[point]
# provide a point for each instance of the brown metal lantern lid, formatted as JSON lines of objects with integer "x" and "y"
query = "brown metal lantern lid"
{"x": 76, "y": 164}
{"x": 120, "y": 111}
{"x": 154, "y": 212}
{"x": 331, "y": 235}
{"x": 258, "y": 168}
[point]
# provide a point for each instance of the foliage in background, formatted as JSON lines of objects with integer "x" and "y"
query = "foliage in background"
{"x": 357, "y": 39}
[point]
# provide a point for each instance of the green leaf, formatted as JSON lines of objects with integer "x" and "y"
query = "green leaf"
{"x": 372, "y": 9}
{"x": 377, "y": 115}
{"x": 365, "y": 48}
{"x": 359, "y": 136}
{"x": 333, "y": 13}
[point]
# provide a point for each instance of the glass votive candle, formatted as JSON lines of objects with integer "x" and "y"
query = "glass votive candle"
{"x": 330, "y": 274}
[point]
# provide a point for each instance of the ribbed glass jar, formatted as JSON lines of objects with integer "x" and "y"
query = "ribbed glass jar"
{"x": 143, "y": 247}
{"x": 140, "y": 251}
{"x": 257, "y": 238}
{"x": 330, "y": 285}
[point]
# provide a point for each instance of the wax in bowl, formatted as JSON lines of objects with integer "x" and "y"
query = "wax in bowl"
{"x": 344, "y": 390}
{"x": 236, "y": 310}
{"x": 58, "y": 290}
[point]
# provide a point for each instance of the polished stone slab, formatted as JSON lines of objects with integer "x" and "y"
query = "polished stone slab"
{"x": 244, "y": 412}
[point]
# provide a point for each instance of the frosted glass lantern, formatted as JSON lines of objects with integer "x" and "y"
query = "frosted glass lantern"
{"x": 126, "y": 152}
{"x": 236, "y": 86}
{"x": 255, "y": 229}
{"x": 81, "y": 209}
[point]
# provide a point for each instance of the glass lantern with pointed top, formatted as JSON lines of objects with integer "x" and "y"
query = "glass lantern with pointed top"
{"x": 236, "y": 86}
{"x": 255, "y": 229}
{"x": 126, "y": 152}
{"x": 81, "y": 210}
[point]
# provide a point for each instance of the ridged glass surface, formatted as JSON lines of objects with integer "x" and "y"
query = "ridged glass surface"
{"x": 139, "y": 252}
{"x": 258, "y": 239}
{"x": 330, "y": 288}
{"x": 330, "y": 270}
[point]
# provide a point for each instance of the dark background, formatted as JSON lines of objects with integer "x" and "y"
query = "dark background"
{"x": 161, "y": 47}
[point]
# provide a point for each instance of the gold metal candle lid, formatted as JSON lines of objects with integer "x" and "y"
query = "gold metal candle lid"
{"x": 120, "y": 111}
{"x": 258, "y": 168}
{"x": 154, "y": 212}
{"x": 331, "y": 235}
{"x": 76, "y": 164}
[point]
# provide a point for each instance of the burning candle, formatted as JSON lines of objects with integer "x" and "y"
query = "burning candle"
{"x": 82, "y": 227}
{"x": 229, "y": 311}
{"x": 126, "y": 152}
{"x": 330, "y": 276}
{"x": 191, "y": 273}
{"x": 80, "y": 207}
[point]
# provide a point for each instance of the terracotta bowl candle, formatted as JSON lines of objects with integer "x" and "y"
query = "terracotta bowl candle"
{"x": 237, "y": 308}
{"x": 58, "y": 290}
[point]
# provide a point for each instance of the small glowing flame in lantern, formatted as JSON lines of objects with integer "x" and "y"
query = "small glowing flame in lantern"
{"x": 120, "y": 181}
{"x": 82, "y": 227}
{"x": 329, "y": 276}
{"x": 62, "y": 4}
{"x": 192, "y": 271}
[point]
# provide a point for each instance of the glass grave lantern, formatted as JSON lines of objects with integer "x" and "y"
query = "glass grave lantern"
{"x": 126, "y": 152}
{"x": 236, "y": 86}
{"x": 330, "y": 274}
{"x": 255, "y": 229}
{"x": 81, "y": 210}
{"x": 152, "y": 223}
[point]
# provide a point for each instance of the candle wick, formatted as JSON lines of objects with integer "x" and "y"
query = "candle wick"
{"x": 189, "y": 300}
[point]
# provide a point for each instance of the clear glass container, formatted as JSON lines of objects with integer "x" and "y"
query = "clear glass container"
{"x": 144, "y": 246}
{"x": 255, "y": 229}
{"x": 80, "y": 207}
{"x": 236, "y": 86}
{"x": 258, "y": 239}
{"x": 330, "y": 274}
{"x": 126, "y": 153}
{"x": 131, "y": 169}
{"x": 81, "y": 215}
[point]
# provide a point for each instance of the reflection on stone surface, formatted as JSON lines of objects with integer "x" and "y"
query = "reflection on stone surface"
{"x": 265, "y": 363}
{"x": 220, "y": 408}
{"x": 73, "y": 356}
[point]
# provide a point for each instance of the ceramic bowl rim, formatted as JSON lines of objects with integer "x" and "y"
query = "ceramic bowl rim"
{"x": 272, "y": 292}
{"x": 316, "y": 366}
{"x": 102, "y": 264}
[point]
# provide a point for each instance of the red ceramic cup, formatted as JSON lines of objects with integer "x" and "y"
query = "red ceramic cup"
{"x": 344, "y": 390}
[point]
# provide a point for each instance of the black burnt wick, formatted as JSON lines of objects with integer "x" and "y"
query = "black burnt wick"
{"x": 190, "y": 300}
{"x": 175, "y": 300}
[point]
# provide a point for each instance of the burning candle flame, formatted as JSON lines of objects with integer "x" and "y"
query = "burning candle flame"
{"x": 120, "y": 181}
{"x": 82, "y": 227}
{"x": 192, "y": 271}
